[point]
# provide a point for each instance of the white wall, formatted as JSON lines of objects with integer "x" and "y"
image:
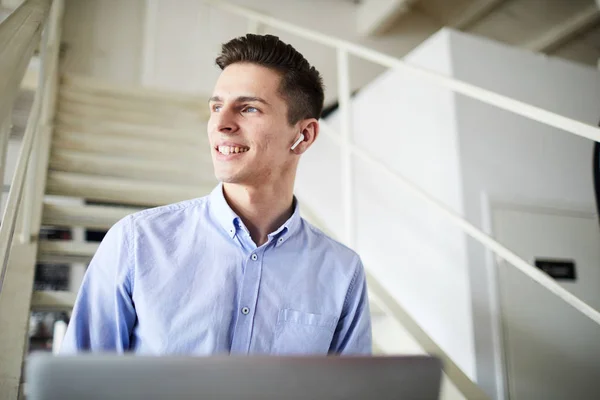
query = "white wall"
{"x": 173, "y": 43}
{"x": 103, "y": 39}
{"x": 510, "y": 158}
{"x": 418, "y": 256}
{"x": 199, "y": 31}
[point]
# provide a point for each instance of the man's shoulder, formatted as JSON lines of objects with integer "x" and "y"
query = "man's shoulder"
{"x": 170, "y": 209}
{"x": 162, "y": 214}
{"x": 328, "y": 244}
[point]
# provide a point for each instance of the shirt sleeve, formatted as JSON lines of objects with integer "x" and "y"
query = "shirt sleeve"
{"x": 104, "y": 315}
{"x": 353, "y": 332}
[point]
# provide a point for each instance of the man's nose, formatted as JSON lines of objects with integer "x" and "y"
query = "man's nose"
{"x": 225, "y": 121}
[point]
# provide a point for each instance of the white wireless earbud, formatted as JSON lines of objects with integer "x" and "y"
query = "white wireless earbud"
{"x": 300, "y": 139}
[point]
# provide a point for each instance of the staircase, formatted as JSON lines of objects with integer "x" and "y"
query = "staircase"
{"x": 116, "y": 150}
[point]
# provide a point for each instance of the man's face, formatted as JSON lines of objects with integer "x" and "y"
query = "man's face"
{"x": 248, "y": 127}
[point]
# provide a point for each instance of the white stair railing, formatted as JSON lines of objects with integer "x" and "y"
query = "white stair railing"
{"x": 34, "y": 24}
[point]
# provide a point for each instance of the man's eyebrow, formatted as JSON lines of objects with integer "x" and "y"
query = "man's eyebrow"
{"x": 251, "y": 99}
{"x": 241, "y": 99}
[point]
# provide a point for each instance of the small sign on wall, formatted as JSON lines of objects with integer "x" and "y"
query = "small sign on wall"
{"x": 561, "y": 270}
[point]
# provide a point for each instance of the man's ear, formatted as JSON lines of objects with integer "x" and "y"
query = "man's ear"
{"x": 309, "y": 128}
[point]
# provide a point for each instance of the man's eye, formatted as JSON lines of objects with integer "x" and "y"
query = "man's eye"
{"x": 250, "y": 110}
{"x": 216, "y": 108}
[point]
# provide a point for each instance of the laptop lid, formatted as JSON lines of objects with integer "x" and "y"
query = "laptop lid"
{"x": 131, "y": 377}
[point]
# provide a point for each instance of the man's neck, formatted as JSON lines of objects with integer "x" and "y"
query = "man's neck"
{"x": 263, "y": 209}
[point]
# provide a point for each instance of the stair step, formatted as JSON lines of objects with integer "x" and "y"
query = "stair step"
{"x": 51, "y": 300}
{"x": 132, "y": 168}
{"x": 166, "y": 109}
{"x": 131, "y": 116}
{"x": 73, "y": 123}
{"x": 91, "y": 217}
{"x": 130, "y": 147}
{"x": 65, "y": 251}
{"x": 91, "y": 86}
{"x": 121, "y": 191}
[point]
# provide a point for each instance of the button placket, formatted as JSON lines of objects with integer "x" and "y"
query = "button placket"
{"x": 247, "y": 306}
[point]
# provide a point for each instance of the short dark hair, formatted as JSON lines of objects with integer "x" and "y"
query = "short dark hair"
{"x": 301, "y": 84}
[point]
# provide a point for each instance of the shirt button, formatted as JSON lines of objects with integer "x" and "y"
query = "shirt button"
{"x": 280, "y": 240}
{"x": 254, "y": 257}
{"x": 245, "y": 310}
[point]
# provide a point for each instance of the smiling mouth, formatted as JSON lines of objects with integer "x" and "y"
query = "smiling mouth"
{"x": 226, "y": 150}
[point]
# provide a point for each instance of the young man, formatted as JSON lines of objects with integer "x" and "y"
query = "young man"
{"x": 238, "y": 271}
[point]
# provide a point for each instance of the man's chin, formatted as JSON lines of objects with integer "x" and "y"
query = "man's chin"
{"x": 235, "y": 177}
{"x": 229, "y": 178}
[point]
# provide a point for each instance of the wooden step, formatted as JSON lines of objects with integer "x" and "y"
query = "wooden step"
{"x": 69, "y": 118}
{"x": 52, "y": 300}
{"x": 132, "y": 168}
{"x": 96, "y": 87}
{"x": 69, "y": 123}
{"x": 121, "y": 191}
{"x": 115, "y": 103}
{"x": 125, "y": 146}
{"x": 65, "y": 251}
{"x": 131, "y": 116}
{"x": 91, "y": 217}
{"x": 129, "y": 133}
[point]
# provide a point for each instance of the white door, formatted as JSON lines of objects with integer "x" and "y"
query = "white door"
{"x": 551, "y": 350}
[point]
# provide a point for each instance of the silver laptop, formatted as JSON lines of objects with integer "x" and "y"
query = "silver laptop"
{"x": 131, "y": 377}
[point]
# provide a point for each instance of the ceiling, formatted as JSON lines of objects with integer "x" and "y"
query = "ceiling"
{"x": 565, "y": 28}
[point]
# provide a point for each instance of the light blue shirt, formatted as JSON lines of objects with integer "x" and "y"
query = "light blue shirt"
{"x": 187, "y": 279}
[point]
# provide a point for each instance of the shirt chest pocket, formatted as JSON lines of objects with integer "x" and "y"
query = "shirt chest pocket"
{"x": 299, "y": 332}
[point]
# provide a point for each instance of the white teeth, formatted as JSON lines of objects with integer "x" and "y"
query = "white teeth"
{"x": 231, "y": 150}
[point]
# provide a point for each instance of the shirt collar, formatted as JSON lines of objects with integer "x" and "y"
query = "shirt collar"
{"x": 289, "y": 227}
{"x": 229, "y": 219}
{"x": 221, "y": 210}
